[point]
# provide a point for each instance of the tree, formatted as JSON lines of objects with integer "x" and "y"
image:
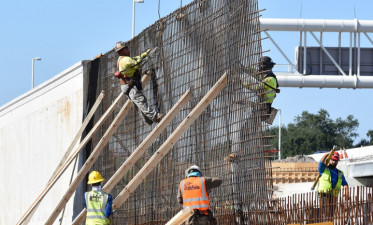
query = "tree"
{"x": 365, "y": 142}
{"x": 311, "y": 132}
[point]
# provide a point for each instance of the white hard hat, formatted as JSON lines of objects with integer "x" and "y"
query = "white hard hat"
{"x": 194, "y": 167}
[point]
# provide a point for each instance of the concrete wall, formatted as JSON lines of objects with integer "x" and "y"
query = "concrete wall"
{"x": 35, "y": 131}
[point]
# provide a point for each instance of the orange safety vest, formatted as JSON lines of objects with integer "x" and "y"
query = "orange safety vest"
{"x": 193, "y": 192}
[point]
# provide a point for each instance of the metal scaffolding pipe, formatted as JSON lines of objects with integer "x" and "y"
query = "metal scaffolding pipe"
{"x": 320, "y": 25}
{"x": 324, "y": 81}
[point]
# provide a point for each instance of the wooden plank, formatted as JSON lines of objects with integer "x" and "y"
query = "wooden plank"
{"x": 145, "y": 80}
{"x": 139, "y": 151}
{"x": 77, "y": 136}
{"x": 169, "y": 143}
{"x": 181, "y": 216}
{"x": 91, "y": 159}
{"x": 60, "y": 167}
{"x": 71, "y": 146}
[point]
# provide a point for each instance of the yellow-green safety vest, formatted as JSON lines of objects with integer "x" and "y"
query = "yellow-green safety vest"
{"x": 128, "y": 65}
{"x": 325, "y": 183}
{"x": 270, "y": 92}
{"x": 96, "y": 202}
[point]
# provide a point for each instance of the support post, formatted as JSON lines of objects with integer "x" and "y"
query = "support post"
{"x": 136, "y": 155}
{"x": 181, "y": 216}
{"x": 169, "y": 143}
{"x": 92, "y": 158}
{"x": 62, "y": 166}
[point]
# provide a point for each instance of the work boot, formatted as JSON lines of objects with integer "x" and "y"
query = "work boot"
{"x": 158, "y": 118}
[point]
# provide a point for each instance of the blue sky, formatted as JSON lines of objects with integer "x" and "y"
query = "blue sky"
{"x": 338, "y": 102}
{"x": 65, "y": 32}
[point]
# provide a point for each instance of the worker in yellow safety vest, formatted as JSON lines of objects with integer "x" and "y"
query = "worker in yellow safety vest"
{"x": 98, "y": 203}
{"x": 129, "y": 75}
{"x": 269, "y": 84}
{"x": 194, "y": 193}
{"x": 331, "y": 179}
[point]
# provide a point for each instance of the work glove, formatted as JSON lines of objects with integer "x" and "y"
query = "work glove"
{"x": 117, "y": 74}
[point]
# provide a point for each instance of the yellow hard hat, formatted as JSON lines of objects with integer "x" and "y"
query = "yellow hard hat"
{"x": 94, "y": 177}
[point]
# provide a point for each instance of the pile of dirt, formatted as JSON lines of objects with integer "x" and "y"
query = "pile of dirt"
{"x": 297, "y": 158}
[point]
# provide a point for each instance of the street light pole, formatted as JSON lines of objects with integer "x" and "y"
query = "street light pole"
{"x": 133, "y": 15}
{"x": 279, "y": 135}
{"x": 32, "y": 78}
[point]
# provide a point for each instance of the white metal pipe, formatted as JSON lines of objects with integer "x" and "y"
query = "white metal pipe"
{"x": 323, "y": 25}
{"x": 339, "y": 48}
{"x": 324, "y": 81}
{"x": 328, "y": 54}
{"x": 321, "y": 39}
{"x": 305, "y": 54}
{"x": 355, "y": 55}
{"x": 32, "y": 74}
{"x": 133, "y": 18}
{"x": 280, "y": 50}
{"x": 358, "y": 54}
{"x": 350, "y": 57}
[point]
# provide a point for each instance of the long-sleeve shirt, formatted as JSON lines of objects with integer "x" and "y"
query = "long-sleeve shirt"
{"x": 333, "y": 173}
{"x": 109, "y": 204}
{"x": 211, "y": 182}
{"x": 129, "y": 65}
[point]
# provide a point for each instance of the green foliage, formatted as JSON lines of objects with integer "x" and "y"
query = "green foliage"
{"x": 311, "y": 132}
{"x": 365, "y": 142}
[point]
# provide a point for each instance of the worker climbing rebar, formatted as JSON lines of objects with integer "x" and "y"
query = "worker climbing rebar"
{"x": 269, "y": 84}
{"x": 98, "y": 203}
{"x": 194, "y": 193}
{"x": 129, "y": 74}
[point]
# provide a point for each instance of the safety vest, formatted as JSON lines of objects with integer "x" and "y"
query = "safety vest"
{"x": 96, "y": 202}
{"x": 193, "y": 192}
{"x": 270, "y": 86}
{"x": 129, "y": 65}
{"x": 325, "y": 183}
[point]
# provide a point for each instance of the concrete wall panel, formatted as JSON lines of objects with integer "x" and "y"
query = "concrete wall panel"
{"x": 35, "y": 131}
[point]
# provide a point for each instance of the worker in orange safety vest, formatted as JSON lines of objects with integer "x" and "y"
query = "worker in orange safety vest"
{"x": 194, "y": 193}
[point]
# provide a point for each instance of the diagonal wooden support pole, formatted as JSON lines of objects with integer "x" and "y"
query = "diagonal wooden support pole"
{"x": 28, "y": 215}
{"x": 136, "y": 155}
{"x": 82, "y": 128}
{"x": 60, "y": 167}
{"x": 181, "y": 216}
{"x": 93, "y": 157}
{"x": 169, "y": 143}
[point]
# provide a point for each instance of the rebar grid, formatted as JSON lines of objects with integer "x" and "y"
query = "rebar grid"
{"x": 310, "y": 208}
{"x": 197, "y": 43}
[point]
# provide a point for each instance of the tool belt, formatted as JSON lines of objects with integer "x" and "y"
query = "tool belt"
{"x": 133, "y": 81}
{"x": 208, "y": 213}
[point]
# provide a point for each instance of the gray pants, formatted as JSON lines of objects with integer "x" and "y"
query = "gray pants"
{"x": 139, "y": 100}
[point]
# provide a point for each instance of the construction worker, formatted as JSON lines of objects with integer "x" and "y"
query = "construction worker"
{"x": 98, "y": 203}
{"x": 194, "y": 193}
{"x": 330, "y": 182}
{"x": 269, "y": 84}
{"x": 331, "y": 178}
{"x": 129, "y": 74}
